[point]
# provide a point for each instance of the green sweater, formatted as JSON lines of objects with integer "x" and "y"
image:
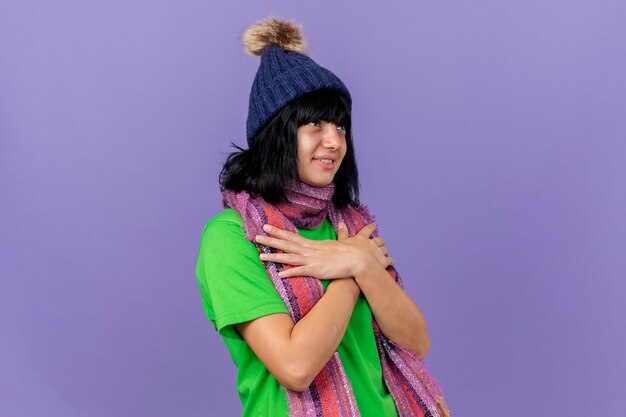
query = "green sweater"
{"x": 236, "y": 288}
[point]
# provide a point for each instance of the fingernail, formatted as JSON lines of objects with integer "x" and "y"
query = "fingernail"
{"x": 342, "y": 225}
{"x": 267, "y": 227}
{"x": 263, "y": 256}
{"x": 258, "y": 238}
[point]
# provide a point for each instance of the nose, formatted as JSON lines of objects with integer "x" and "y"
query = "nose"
{"x": 332, "y": 138}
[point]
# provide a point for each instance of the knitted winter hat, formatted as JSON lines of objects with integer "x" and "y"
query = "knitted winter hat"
{"x": 285, "y": 72}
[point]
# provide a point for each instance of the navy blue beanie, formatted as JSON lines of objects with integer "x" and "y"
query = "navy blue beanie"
{"x": 285, "y": 72}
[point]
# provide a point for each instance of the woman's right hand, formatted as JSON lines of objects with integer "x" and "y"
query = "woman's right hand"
{"x": 323, "y": 259}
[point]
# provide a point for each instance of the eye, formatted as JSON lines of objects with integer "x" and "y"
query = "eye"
{"x": 341, "y": 128}
{"x": 313, "y": 123}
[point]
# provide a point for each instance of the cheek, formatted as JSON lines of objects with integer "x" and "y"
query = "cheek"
{"x": 344, "y": 151}
{"x": 305, "y": 150}
{"x": 303, "y": 159}
{"x": 301, "y": 155}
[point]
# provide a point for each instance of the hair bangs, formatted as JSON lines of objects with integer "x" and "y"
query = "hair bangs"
{"x": 328, "y": 105}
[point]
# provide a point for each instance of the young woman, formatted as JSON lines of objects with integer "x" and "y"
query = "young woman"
{"x": 292, "y": 272}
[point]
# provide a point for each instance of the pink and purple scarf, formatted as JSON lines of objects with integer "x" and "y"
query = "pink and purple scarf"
{"x": 414, "y": 391}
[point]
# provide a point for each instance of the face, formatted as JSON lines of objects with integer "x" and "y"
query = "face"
{"x": 321, "y": 148}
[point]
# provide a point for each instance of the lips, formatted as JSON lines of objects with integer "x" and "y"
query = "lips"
{"x": 325, "y": 165}
{"x": 331, "y": 157}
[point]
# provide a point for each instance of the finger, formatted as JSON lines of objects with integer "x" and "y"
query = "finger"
{"x": 293, "y": 272}
{"x": 390, "y": 261}
{"x": 303, "y": 271}
{"x": 280, "y": 244}
{"x": 367, "y": 230}
{"x": 281, "y": 258}
{"x": 342, "y": 231}
{"x": 379, "y": 241}
{"x": 384, "y": 250}
{"x": 281, "y": 233}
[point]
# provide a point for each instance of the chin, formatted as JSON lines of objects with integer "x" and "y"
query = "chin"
{"x": 317, "y": 183}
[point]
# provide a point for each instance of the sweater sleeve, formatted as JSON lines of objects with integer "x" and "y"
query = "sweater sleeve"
{"x": 234, "y": 284}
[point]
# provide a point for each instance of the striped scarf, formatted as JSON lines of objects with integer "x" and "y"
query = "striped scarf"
{"x": 414, "y": 391}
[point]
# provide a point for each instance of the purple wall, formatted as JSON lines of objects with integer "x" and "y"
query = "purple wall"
{"x": 491, "y": 137}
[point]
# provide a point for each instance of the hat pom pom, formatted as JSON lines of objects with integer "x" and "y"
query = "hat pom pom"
{"x": 272, "y": 31}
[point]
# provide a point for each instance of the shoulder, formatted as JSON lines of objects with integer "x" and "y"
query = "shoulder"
{"x": 228, "y": 216}
{"x": 223, "y": 244}
{"x": 226, "y": 221}
{"x": 224, "y": 231}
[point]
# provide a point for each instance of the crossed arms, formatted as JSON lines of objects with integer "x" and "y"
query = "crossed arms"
{"x": 295, "y": 354}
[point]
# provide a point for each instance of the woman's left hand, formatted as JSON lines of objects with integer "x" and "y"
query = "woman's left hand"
{"x": 380, "y": 251}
